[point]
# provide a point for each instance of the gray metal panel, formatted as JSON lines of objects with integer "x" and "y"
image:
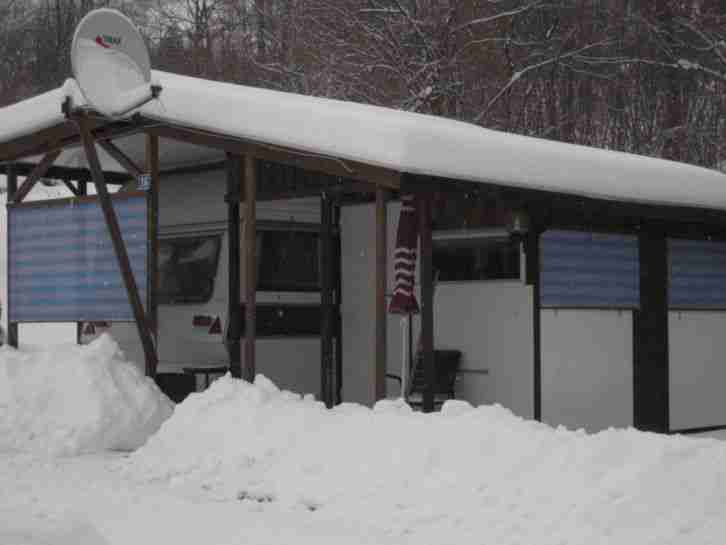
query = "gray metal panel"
{"x": 62, "y": 267}
{"x": 697, "y": 274}
{"x": 589, "y": 270}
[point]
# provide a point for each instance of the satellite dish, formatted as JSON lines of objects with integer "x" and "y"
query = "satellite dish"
{"x": 110, "y": 63}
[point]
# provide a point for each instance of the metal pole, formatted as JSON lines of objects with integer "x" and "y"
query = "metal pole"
{"x": 250, "y": 174}
{"x": 381, "y": 326}
{"x": 118, "y": 245}
{"x": 427, "y": 306}
{"x": 12, "y": 181}
{"x": 82, "y": 191}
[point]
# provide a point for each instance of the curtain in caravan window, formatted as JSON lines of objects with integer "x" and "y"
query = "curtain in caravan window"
{"x": 697, "y": 274}
{"x": 581, "y": 269}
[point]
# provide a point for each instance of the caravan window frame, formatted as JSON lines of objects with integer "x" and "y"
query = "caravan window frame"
{"x": 477, "y": 240}
{"x": 291, "y": 228}
{"x": 162, "y": 298}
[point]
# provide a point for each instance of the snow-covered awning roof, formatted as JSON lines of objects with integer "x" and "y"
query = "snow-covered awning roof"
{"x": 381, "y": 137}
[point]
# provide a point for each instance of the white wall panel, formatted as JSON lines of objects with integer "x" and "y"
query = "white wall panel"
{"x": 491, "y": 323}
{"x": 697, "y": 369}
{"x": 587, "y": 368}
{"x": 357, "y": 303}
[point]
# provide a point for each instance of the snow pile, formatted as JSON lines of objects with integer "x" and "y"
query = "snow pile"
{"x": 76, "y": 399}
{"x": 465, "y": 475}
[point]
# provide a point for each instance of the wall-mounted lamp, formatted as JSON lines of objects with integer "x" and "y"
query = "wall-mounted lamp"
{"x": 519, "y": 223}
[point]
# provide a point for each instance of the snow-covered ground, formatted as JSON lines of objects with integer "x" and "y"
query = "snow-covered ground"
{"x": 250, "y": 464}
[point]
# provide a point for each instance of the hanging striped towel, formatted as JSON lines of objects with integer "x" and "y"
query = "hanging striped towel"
{"x": 404, "y": 259}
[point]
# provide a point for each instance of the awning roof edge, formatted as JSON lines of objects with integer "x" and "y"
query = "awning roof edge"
{"x": 398, "y": 141}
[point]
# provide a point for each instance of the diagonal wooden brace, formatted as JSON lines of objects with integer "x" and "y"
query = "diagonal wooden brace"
{"x": 121, "y": 158}
{"x": 118, "y": 245}
{"x": 37, "y": 173}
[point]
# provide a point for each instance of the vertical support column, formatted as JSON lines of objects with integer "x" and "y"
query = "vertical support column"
{"x": 650, "y": 373}
{"x": 337, "y": 253}
{"x": 532, "y": 250}
{"x": 234, "y": 301}
{"x": 152, "y": 288}
{"x": 427, "y": 303}
{"x": 381, "y": 325}
{"x": 250, "y": 175}
{"x": 12, "y": 182}
{"x": 82, "y": 192}
{"x": 326, "y": 299}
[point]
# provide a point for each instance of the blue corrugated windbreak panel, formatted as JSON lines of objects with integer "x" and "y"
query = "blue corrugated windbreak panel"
{"x": 593, "y": 270}
{"x": 697, "y": 274}
{"x": 62, "y": 267}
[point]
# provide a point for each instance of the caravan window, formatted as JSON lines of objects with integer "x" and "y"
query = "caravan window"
{"x": 187, "y": 267}
{"x": 287, "y": 260}
{"x": 466, "y": 259}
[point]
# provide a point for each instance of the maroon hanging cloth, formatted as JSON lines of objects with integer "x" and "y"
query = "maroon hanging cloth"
{"x": 404, "y": 259}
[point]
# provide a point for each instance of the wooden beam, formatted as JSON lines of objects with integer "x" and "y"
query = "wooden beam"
{"x": 125, "y": 161}
{"x": 250, "y": 177}
{"x": 37, "y": 173}
{"x": 326, "y": 269}
{"x": 380, "y": 294}
{"x": 152, "y": 288}
{"x": 72, "y": 188}
{"x": 330, "y": 165}
{"x": 81, "y": 191}
{"x": 427, "y": 303}
{"x": 69, "y": 173}
{"x": 234, "y": 296}
{"x": 65, "y": 135}
{"x": 118, "y": 245}
{"x": 532, "y": 273}
{"x": 12, "y": 186}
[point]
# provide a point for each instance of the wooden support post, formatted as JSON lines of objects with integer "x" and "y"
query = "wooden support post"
{"x": 234, "y": 301}
{"x": 152, "y": 286}
{"x": 81, "y": 191}
{"x": 250, "y": 176}
{"x": 337, "y": 251}
{"x": 380, "y": 280}
{"x": 650, "y": 327}
{"x": 119, "y": 247}
{"x": 326, "y": 300}
{"x": 427, "y": 303}
{"x": 533, "y": 279}
{"x": 12, "y": 183}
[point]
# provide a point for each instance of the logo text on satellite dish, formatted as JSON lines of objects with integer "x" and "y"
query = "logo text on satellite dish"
{"x": 107, "y": 41}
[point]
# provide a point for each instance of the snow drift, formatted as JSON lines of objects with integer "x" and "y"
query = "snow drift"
{"x": 476, "y": 474}
{"x": 76, "y": 399}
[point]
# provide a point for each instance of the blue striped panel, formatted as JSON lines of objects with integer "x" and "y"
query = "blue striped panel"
{"x": 62, "y": 267}
{"x": 697, "y": 274}
{"x": 583, "y": 269}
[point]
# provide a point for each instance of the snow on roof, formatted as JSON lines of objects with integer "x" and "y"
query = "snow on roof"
{"x": 397, "y": 140}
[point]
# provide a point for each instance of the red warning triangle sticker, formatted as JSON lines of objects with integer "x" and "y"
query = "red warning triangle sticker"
{"x": 216, "y": 327}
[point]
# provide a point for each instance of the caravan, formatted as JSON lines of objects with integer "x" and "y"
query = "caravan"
{"x": 193, "y": 285}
